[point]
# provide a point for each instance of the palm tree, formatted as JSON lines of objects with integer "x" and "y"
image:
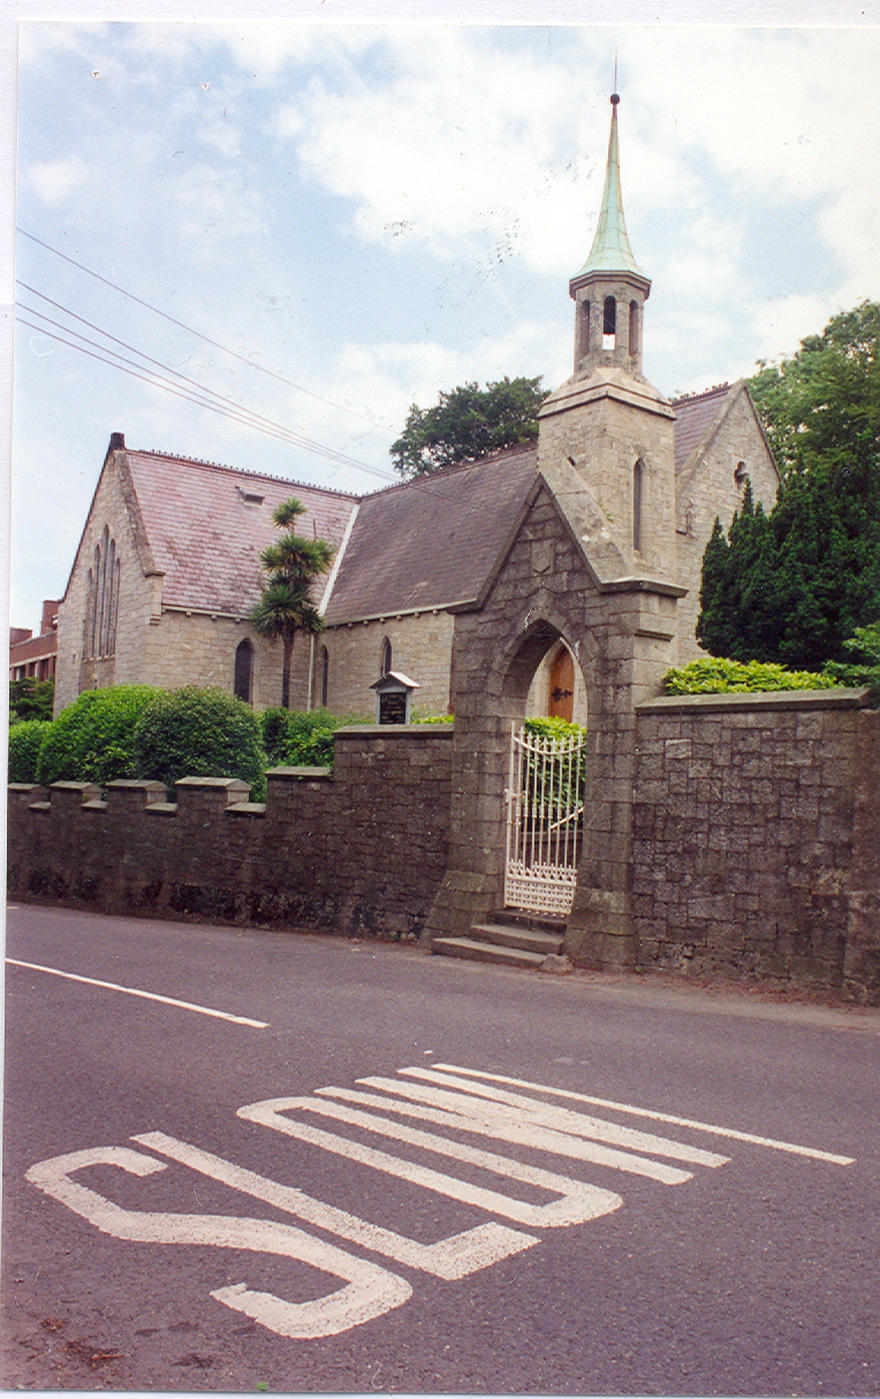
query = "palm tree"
{"x": 291, "y": 567}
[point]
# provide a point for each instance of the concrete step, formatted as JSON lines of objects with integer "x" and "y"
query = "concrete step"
{"x": 514, "y": 935}
{"x": 476, "y": 951}
{"x": 524, "y": 918}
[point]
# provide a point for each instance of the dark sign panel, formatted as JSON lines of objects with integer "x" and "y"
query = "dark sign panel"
{"x": 392, "y": 707}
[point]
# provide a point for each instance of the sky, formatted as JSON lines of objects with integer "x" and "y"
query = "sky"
{"x": 324, "y": 223}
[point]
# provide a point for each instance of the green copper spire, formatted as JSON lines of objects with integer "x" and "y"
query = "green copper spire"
{"x": 611, "y": 251}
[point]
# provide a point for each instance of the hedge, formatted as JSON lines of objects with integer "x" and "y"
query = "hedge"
{"x": 714, "y": 675}
{"x": 25, "y": 739}
{"x": 199, "y": 732}
{"x": 92, "y": 739}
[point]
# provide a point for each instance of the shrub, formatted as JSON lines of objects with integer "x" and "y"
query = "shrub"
{"x": 864, "y": 667}
{"x": 714, "y": 675}
{"x": 30, "y": 698}
{"x": 194, "y": 732}
{"x": 91, "y": 740}
{"x": 301, "y": 738}
{"x": 25, "y": 739}
{"x": 418, "y": 718}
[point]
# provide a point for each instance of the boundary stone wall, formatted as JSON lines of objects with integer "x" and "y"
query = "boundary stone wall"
{"x": 756, "y": 825}
{"x": 360, "y": 850}
{"x": 755, "y": 839}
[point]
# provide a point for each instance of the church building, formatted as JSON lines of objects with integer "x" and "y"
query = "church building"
{"x": 167, "y": 569}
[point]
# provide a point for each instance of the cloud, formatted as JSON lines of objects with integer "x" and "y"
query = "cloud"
{"x": 54, "y": 181}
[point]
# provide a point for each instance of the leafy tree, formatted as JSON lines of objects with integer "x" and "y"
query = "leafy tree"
{"x": 466, "y": 423}
{"x": 291, "y": 566}
{"x": 30, "y": 698}
{"x": 794, "y": 585}
{"x": 823, "y": 404}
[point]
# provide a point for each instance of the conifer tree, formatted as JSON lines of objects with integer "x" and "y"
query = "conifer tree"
{"x": 793, "y": 586}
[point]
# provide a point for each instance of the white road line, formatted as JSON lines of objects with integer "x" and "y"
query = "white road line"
{"x": 146, "y": 995}
{"x": 729, "y": 1132}
{"x": 517, "y": 1112}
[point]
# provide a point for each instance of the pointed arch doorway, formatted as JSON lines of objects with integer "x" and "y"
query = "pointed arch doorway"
{"x": 543, "y": 799}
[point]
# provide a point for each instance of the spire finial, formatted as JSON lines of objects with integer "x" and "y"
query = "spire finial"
{"x": 611, "y": 251}
{"x": 614, "y": 97}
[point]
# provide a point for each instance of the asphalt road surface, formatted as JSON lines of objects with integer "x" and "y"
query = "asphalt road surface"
{"x": 244, "y": 1160}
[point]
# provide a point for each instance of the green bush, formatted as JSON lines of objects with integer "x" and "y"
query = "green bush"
{"x": 418, "y": 718}
{"x": 30, "y": 698}
{"x": 864, "y": 667}
{"x": 301, "y": 738}
{"x": 25, "y": 739}
{"x": 714, "y": 675}
{"x": 193, "y": 732}
{"x": 91, "y": 740}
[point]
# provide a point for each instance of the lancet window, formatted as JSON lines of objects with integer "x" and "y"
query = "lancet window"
{"x": 102, "y": 600}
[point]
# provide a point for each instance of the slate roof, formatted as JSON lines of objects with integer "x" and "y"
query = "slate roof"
{"x": 425, "y": 543}
{"x": 695, "y": 416}
{"x": 432, "y": 541}
{"x": 206, "y": 537}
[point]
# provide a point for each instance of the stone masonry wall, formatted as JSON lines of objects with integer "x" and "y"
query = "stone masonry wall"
{"x": 359, "y": 852}
{"x": 747, "y": 857}
{"x": 709, "y": 490}
{"x": 421, "y": 647}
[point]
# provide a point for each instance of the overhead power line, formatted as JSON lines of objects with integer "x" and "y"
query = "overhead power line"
{"x": 218, "y": 402}
{"x": 157, "y": 381}
{"x": 252, "y": 364}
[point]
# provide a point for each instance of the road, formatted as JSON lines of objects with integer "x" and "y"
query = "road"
{"x": 249, "y": 1160}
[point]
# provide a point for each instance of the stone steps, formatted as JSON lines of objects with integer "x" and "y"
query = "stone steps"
{"x": 475, "y": 951}
{"x": 511, "y": 937}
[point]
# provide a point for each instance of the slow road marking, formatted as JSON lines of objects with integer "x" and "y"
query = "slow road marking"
{"x": 463, "y": 1103}
{"x": 146, "y": 995}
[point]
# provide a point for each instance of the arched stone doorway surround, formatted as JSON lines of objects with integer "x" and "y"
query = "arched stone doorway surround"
{"x": 621, "y": 631}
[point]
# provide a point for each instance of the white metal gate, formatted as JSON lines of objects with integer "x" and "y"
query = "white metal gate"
{"x": 544, "y": 821}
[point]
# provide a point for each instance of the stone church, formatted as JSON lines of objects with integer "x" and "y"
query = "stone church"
{"x": 167, "y": 569}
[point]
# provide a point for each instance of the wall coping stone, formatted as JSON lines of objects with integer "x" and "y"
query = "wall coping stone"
{"x": 418, "y": 731}
{"x": 839, "y": 698}
{"x": 161, "y": 809}
{"x": 301, "y": 774}
{"x": 246, "y": 809}
{"x": 230, "y": 783}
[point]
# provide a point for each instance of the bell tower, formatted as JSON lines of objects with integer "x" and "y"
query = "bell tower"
{"x": 606, "y": 430}
{"x": 610, "y": 290}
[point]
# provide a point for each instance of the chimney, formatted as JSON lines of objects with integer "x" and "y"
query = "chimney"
{"x": 117, "y": 442}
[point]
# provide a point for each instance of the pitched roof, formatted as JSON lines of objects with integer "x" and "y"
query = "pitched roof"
{"x": 207, "y": 525}
{"x": 695, "y": 417}
{"x": 431, "y": 542}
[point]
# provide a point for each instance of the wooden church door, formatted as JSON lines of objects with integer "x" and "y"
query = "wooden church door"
{"x": 561, "y": 704}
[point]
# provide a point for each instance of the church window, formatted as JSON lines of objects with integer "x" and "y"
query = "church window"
{"x": 634, "y": 327}
{"x": 740, "y": 475}
{"x": 609, "y": 323}
{"x": 325, "y": 675}
{"x": 638, "y": 489}
{"x": 244, "y": 670}
{"x": 102, "y": 600}
{"x": 386, "y": 657}
{"x": 585, "y": 327}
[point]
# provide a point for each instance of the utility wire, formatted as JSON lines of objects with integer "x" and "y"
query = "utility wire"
{"x": 252, "y": 364}
{"x": 156, "y": 381}
{"x": 257, "y": 420}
